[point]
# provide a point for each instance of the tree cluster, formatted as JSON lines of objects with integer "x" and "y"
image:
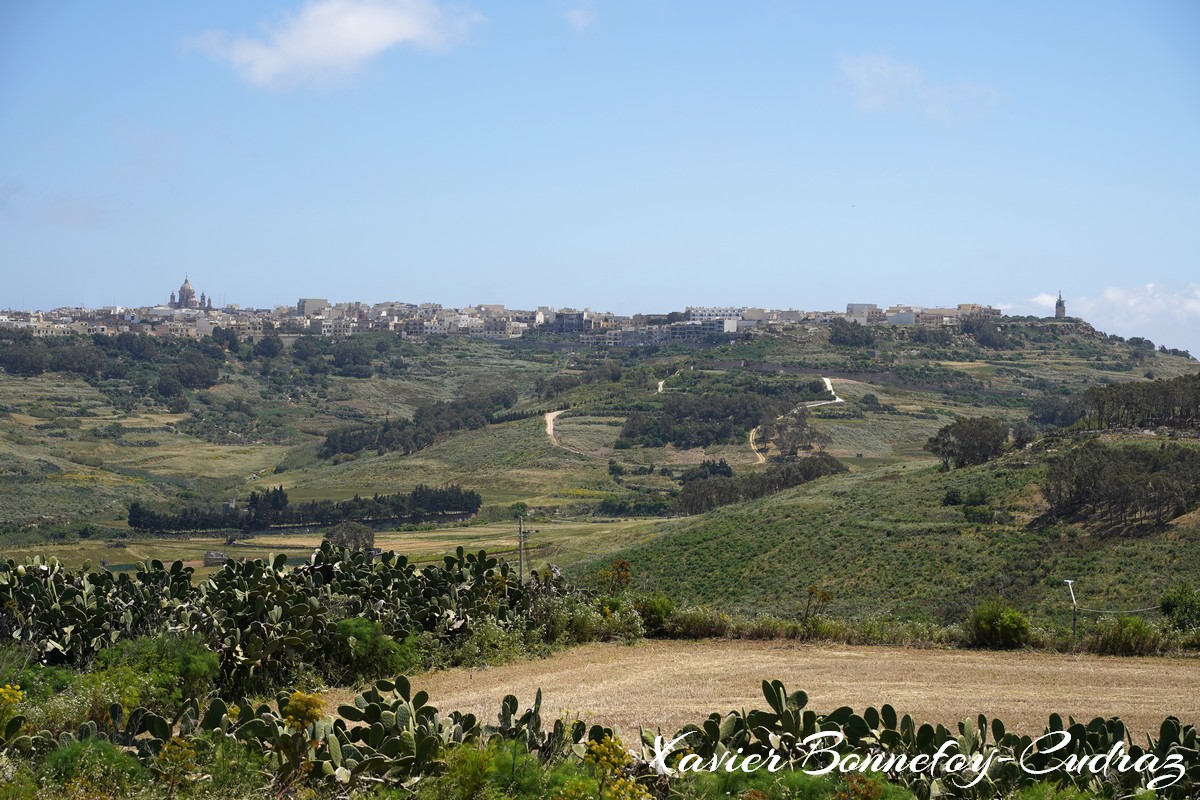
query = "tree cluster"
{"x": 969, "y": 441}
{"x": 792, "y": 434}
{"x": 607, "y": 371}
{"x": 170, "y": 366}
{"x": 1056, "y": 412}
{"x": 699, "y": 420}
{"x": 1174, "y": 403}
{"x": 428, "y": 421}
{"x": 271, "y": 508}
{"x": 708, "y": 468}
{"x": 351, "y": 535}
{"x": 697, "y": 497}
{"x": 850, "y": 334}
{"x": 986, "y": 333}
{"x": 637, "y": 507}
{"x": 1124, "y": 482}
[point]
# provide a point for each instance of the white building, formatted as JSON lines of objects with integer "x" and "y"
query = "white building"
{"x": 704, "y": 314}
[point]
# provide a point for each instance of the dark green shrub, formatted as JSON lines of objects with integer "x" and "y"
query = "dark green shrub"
{"x": 489, "y": 645}
{"x": 40, "y": 682}
{"x": 236, "y": 768}
{"x": 170, "y": 668}
{"x": 975, "y": 497}
{"x": 700, "y": 622}
{"x": 94, "y": 767}
{"x": 953, "y": 497}
{"x": 1124, "y": 636}
{"x": 979, "y": 515}
{"x": 370, "y": 653}
{"x": 468, "y": 776}
{"x": 655, "y": 611}
{"x": 994, "y": 623}
{"x": 1181, "y": 607}
{"x": 19, "y": 667}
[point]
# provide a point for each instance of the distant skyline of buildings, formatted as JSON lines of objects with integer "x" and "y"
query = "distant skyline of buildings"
{"x": 192, "y": 315}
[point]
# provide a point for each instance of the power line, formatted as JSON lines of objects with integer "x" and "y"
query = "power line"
{"x": 1131, "y": 611}
{"x": 1076, "y": 608}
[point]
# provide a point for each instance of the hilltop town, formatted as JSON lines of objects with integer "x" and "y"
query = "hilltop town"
{"x": 190, "y": 315}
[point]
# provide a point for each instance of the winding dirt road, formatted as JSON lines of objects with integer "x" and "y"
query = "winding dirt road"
{"x": 828, "y": 387}
{"x": 553, "y": 415}
{"x": 554, "y": 440}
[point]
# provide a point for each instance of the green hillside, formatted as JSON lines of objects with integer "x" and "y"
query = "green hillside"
{"x": 105, "y": 423}
{"x": 882, "y": 542}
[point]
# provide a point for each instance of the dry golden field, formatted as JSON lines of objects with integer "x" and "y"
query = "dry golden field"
{"x": 667, "y": 684}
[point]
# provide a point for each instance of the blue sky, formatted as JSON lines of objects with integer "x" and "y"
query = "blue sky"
{"x": 619, "y": 155}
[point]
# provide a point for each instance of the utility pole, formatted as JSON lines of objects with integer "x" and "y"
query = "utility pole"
{"x": 521, "y": 547}
{"x": 1074, "y": 609}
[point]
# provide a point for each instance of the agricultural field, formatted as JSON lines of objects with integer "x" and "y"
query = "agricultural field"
{"x": 677, "y": 682}
{"x": 563, "y": 544}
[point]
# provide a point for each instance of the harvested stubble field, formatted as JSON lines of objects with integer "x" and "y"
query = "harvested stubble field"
{"x": 661, "y": 684}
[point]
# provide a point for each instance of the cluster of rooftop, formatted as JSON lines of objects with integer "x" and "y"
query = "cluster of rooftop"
{"x": 189, "y": 315}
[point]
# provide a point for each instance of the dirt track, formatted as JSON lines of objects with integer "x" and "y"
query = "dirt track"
{"x": 666, "y": 684}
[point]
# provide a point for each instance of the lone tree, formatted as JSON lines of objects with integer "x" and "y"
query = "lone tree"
{"x": 792, "y": 433}
{"x": 352, "y": 536}
{"x": 969, "y": 441}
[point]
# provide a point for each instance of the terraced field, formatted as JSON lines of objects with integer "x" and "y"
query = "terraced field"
{"x": 560, "y": 543}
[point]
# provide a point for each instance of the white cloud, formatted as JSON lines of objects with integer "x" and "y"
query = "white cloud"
{"x": 329, "y": 38}
{"x": 582, "y": 16}
{"x": 1044, "y": 300}
{"x": 879, "y": 82}
{"x": 1167, "y": 314}
{"x": 1142, "y": 304}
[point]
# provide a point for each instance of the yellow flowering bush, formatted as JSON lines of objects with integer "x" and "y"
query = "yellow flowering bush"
{"x": 610, "y": 758}
{"x": 303, "y": 709}
{"x": 10, "y": 698}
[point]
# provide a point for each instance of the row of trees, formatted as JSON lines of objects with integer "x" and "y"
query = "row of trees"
{"x": 709, "y": 468}
{"x": 271, "y": 508}
{"x": 1124, "y": 482}
{"x": 1174, "y": 403}
{"x": 699, "y": 420}
{"x": 699, "y": 496}
{"x": 190, "y": 364}
{"x": 635, "y": 507}
{"x": 410, "y": 435}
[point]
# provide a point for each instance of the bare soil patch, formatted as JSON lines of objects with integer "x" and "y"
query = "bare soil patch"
{"x": 668, "y": 684}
